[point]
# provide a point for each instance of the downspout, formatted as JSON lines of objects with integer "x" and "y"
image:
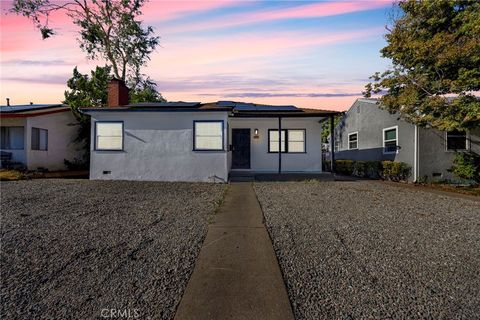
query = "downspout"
{"x": 279, "y": 145}
{"x": 332, "y": 143}
{"x": 415, "y": 156}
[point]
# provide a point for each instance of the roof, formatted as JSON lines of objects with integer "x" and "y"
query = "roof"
{"x": 237, "y": 109}
{"x": 29, "y": 107}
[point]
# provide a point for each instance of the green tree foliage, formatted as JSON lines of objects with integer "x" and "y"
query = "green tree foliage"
{"x": 466, "y": 165}
{"x": 86, "y": 91}
{"x": 146, "y": 91}
{"x": 434, "y": 46}
{"x": 108, "y": 29}
{"x": 326, "y": 130}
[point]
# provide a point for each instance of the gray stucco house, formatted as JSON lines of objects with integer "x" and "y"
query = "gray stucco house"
{"x": 369, "y": 133}
{"x": 193, "y": 141}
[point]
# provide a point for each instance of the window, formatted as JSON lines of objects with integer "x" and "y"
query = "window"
{"x": 390, "y": 140}
{"x": 353, "y": 141}
{"x": 456, "y": 140}
{"x": 109, "y": 136}
{"x": 208, "y": 136}
{"x": 296, "y": 141}
{"x": 39, "y": 139}
{"x": 293, "y": 140}
{"x": 273, "y": 140}
{"x": 12, "y": 138}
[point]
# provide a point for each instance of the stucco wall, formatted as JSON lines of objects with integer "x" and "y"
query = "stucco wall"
{"x": 17, "y": 155}
{"x": 369, "y": 121}
{"x": 61, "y": 133}
{"x": 159, "y": 146}
{"x": 262, "y": 161}
{"x": 433, "y": 156}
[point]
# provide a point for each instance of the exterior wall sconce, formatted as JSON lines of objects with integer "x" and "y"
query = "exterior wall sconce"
{"x": 255, "y": 134}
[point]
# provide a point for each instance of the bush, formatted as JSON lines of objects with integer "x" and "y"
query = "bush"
{"x": 388, "y": 170}
{"x": 76, "y": 164}
{"x": 344, "y": 166}
{"x": 395, "y": 171}
{"x": 466, "y": 165}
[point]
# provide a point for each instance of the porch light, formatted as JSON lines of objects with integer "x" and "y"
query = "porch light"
{"x": 255, "y": 134}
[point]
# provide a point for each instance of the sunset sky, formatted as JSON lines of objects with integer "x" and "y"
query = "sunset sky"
{"x": 310, "y": 54}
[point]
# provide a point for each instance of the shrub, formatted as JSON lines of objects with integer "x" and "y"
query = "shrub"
{"x": 466, "y": 165}
{"x": 373, "y": 169}
{"x": 360, "y": 169}
{"x": 76, "y": 164}
{"x": 395, "y": 171}
{"x": 344, "y": 166}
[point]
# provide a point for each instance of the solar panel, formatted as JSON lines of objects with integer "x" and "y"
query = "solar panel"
{"x": 255, "y": 107}
{"x": 27, "y": 107}
{"x": 173, "y": 104}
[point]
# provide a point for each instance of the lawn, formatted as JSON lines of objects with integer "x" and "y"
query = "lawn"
{"x": 355, "y": 250}
{"x": 72, "y": 248}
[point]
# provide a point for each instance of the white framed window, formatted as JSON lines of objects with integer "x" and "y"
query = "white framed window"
{"x": 390, "y": 140}
{"x": 273, "y": 140}
{"x": 12, "y": 138}
{"x": 353, "y": 140}
{"x": 296, "y": 140}
{"x": 456, "y": 140}
{"x": 293, "y": 140}
{"x": 109, "y": 135}
{"x": 39, "y": 139}
{"x": 208, "y": 135}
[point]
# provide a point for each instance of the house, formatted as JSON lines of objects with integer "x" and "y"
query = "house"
{"x": 38, "y": 136}
{"x": 368, "y": 133}
{"x": 193, "y": 141}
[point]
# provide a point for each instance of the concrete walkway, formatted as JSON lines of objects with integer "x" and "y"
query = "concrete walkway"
{"x": 236, "y": 275}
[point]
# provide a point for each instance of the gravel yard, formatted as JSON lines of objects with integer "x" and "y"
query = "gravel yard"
{"x": 355, "y": 250}
{"x": 71, "y": 248}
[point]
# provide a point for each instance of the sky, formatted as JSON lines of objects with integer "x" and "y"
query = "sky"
{"x": 312, "y": 54}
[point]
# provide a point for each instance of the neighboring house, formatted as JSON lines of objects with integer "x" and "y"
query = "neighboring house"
{"x": 369, "y": 133}
{"x": 192, "y": 141}
{"x": 38, "y": 136}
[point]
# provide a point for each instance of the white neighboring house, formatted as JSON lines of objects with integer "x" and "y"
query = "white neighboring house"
{"x": 192, "y": 141}
{"x": 38, "y": 136}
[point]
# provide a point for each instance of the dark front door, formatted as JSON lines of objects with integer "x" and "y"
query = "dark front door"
{"x": 240, "y": 148}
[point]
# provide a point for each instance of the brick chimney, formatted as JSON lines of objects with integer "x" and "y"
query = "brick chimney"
{"x": 117, "y": 93}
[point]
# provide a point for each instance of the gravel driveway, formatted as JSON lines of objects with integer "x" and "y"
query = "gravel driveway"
{"x": 355, "y": 250}
{"x": 72, "y": 248}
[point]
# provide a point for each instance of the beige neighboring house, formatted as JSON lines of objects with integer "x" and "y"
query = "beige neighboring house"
{"x": 38, "y": 136}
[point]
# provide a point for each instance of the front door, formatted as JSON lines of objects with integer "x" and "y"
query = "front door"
{"x": 240, "y": 148}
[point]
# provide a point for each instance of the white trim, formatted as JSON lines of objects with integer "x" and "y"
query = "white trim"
{"x": 467, "y": 143}
{"x": 396, "y": 139}
{"x": 350, "y": 134}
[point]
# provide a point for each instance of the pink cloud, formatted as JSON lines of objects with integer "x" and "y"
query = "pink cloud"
{"x": 250, "y": 45}
{"x": 156, "y": 10}
{"x": 305, "y": 11}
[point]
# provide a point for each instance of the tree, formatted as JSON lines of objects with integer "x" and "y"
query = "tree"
{"x": 146, "y": 91}
{"x": 434, "y": 47}
{"x": 108, "y": 29}
{"x": 86, "y": 91}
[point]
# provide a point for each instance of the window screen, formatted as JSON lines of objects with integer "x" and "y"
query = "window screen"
{"x": 109, "y": 135}
{"x": 12, "y": 138}
{"x": 39, "y": 139}
{"x": 208, "y": 135}
{"x": 457, "y": 140}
